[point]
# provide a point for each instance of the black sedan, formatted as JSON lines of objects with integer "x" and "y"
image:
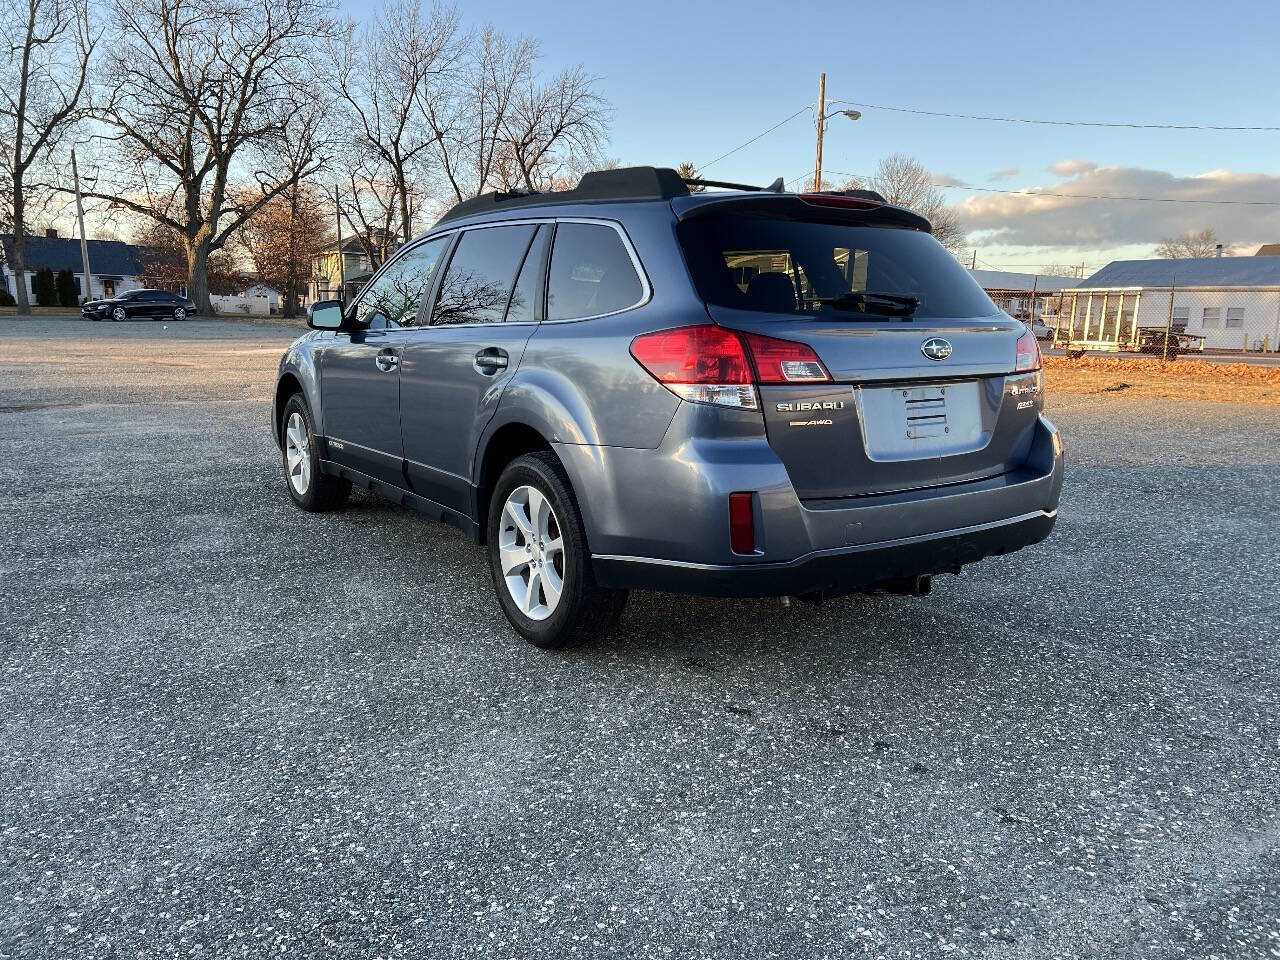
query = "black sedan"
{"x": 139, "y": 303}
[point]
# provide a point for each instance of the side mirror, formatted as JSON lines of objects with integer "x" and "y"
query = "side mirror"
{"x": 325, "y": 315}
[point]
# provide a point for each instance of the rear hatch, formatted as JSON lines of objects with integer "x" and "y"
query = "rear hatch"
{"x": 921, "y": 385}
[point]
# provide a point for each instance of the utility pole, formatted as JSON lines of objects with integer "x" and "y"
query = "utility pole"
{"x": 342, "y": 260}
{"x": 1168, "y": 324}
{"x": 87, "y": 292}
{"x": 822, "y": 122}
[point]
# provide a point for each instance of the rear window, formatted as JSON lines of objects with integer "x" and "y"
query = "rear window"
{"x": 789, "y": 266}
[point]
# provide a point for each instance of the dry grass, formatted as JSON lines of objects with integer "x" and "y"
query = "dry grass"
{"x": 1181, "y": 379}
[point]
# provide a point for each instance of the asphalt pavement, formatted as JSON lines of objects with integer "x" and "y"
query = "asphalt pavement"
{"x": 231, "y": 728}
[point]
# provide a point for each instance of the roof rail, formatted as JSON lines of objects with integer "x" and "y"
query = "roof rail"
{"x": 626, "y": 183}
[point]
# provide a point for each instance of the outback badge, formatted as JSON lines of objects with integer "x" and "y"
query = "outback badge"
{"x": 935, "y": 348}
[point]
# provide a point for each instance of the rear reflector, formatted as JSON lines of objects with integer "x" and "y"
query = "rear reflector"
{"x": 742, "y": 523}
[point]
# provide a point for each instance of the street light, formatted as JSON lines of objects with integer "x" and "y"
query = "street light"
{"x": 823, "y": 119}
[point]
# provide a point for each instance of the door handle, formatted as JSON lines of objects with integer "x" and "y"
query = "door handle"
{"x": 490, "y": 360}
{"x": 387, "y": 360}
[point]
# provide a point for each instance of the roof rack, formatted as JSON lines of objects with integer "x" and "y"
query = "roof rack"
{"x": 775, "y": 187}
{"x": 626, "y": 183}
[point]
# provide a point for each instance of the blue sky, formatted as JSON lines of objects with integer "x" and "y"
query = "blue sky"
{"x": 690, "y": 81}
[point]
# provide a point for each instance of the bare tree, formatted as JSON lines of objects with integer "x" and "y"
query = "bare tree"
{"x": 369, "y": 206}
{"x": 42, "y": 92}
{"x": 904, "y": 181}
{"x": 497, "y": 125}
{"x": 1191, "y": 245}
{"x": 381, "y": 70}
{"x": 202, "y": 95}
{"x": 554, "y": 125}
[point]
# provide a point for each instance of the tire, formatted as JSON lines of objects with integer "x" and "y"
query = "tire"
{"x": 310, "y": 489}
{"x": 119, "y": 315}
{"x": 583, "y": 610}
{"x": 179, "y": 314}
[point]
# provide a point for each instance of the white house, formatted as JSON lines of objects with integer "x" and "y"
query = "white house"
{"x": 1232, "y": 302}
{"x": 116, "y": 266}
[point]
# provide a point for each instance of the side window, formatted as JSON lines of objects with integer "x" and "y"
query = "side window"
{"x": 478, "y": 283}
{"x": 393, "y": 298}
{"x": 591, "y": 273}
{"x": 523, "y": 297}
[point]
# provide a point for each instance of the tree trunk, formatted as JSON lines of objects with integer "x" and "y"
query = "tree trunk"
{"x": 19, "y": 265}
{"x": 198, "y": 269}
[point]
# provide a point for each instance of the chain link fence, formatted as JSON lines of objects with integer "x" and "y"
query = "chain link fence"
{"x": 1208, "y": 321}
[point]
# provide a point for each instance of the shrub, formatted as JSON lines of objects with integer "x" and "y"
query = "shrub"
{"x": 6, "y": 298}
{"x": 46, "y": 291}
{"x": 68, "y": 296}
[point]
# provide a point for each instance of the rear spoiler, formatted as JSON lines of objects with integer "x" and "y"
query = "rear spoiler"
{"x": 854, "y": 207}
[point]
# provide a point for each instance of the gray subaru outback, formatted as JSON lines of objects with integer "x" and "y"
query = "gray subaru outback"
{"x": 734, "y": 392}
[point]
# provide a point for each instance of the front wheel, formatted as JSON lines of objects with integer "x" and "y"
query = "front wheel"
{"x": 310, "y": 489}
{"x": 119, "y": 315}
{"x": 179, "y": 314}
{"x": 539, "y": 559}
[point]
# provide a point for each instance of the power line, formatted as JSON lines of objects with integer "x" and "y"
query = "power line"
{"x": 755, "y": 138}
{"x": 1058, "y": 123}
{"x": 1082, "y": 196}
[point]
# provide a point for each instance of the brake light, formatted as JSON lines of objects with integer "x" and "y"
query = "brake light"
{"x": 784, "y": 361}
{"x": 742, "y": 523}
{"x": 836, "y": 200}
{"x": 1028, "y": 353}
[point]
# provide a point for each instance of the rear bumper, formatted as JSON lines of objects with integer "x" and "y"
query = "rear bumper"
{"x": 834, "y": 546}
{"x": 830, "y": 571}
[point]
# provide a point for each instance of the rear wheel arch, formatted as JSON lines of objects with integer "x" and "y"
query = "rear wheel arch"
{"x": 508, "y": 442}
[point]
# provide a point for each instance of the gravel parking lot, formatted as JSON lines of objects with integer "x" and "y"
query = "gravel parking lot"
{"x": 231, "y": 728}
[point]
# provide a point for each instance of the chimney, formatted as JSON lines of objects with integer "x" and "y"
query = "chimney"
{"x": 52, "y": 233}
{"x": 1217, "y": 251}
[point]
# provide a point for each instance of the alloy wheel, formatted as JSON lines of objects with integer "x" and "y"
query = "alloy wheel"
{"x": 297, "y": 454}
{"x": 118, "y": 314}
{"x": 531, "y": 552}
{"x": 179, "y": 314}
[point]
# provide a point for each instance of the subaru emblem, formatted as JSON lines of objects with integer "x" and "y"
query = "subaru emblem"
{"x": 935, "y": 348}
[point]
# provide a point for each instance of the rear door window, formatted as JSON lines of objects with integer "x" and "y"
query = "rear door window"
{"x": 477, "y": 285}
{"x": 591, "y": 273}
{"x": 522, "y": 308}
{"x": 794, "y": 266}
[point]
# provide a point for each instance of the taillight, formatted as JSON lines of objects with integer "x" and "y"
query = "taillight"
{"x": 1028, "y": 353}
{"x": 784, "y": 361}
{"x": 709, "y": 364}
{"x": 705, "y": 364}
{"x": 742, "y": 523}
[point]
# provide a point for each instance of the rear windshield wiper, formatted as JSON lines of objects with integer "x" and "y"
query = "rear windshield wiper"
{"x": 889, "y": 304}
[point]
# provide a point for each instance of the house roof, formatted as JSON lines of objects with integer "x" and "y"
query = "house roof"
{"x": 1004, "y": 280}
{"x": 1268, "y": 250}
{"x": 1200, "y": 272}
{"x": 106, "y": 257}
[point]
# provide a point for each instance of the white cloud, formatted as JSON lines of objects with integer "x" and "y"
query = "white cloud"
{"x": 1005, "y": 174}
{"x": 1070, "y": 168}
{"x": 1037, "y": 219}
